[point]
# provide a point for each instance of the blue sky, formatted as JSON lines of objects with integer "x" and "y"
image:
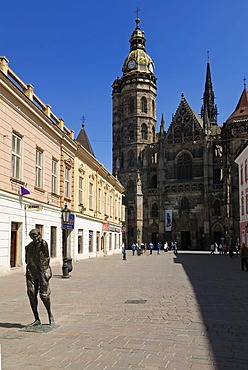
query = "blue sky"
{"x": 72, "y": 51}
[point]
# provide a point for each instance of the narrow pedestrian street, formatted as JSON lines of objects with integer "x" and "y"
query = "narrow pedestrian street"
{"x": 150, "y": 312}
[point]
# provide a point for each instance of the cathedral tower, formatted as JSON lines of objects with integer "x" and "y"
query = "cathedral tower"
{"x": 134, "y": 126}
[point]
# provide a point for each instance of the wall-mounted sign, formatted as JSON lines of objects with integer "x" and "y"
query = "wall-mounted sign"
{"x": 34, "y": 207}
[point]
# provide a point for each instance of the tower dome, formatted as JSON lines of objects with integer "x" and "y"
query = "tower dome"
{"x": 138, "y": 59}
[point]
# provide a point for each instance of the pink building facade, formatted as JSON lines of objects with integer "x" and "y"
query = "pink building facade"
{"x": 242, "y": 161}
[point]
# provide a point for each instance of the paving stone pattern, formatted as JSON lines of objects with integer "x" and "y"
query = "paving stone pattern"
{"x": 150, "y": 312}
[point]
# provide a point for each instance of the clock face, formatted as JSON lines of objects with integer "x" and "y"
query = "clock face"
{"x": 131, "y": 64}
{"x": 151, "y": 67}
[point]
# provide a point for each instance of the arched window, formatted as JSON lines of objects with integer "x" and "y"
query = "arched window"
{"x": 217, "y": 207}
{"x": 184, "y": 204}
{"x": 130, "y": 187}
{"x": 143, "y": 105}
{"x": 131, "y": 106}
{"x": 144, "y": 131}
{"x": 131, "y": 159}
{"x": 131, "y": 133}
{"x": 184, "y": 167}
{"x": 153, "y": 183}
{"x": 130, "y": 212}
{"x": 154, "y": 210}
{"x": 122, "y": 160}
{"x": 153, "y": 108}
{"x": 153, "y": 134}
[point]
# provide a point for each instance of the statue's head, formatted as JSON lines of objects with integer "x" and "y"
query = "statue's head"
{"x": 35, "y": 235}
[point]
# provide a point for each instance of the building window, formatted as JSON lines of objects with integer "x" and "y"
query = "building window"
{"x": 184, "y": 167}
{"x": 80, "y": 241}
{"x": 91, "y": 233}
{"x": 184, "y": 204}
{"x": 131, "y": 133}
{"x": 130, "y": 187}
{"x": 217, "y": 208}
{"x": 131, "y": 159}
{"x": 16, "y": 167}
{"x": 131, "y": 106}
{"x": 246, "y": 203}
{"x": 154, "y": 210}
{"x": 144, "y": 131}
{"x": 153, "y": 134}
{"x": 67, "y": 182}
{"x": 153, "y": 108}
{"x": 153, "y": 183}
{"x": 242, "y": 206}
{"x": 111, "y": 206}
{"x": 53, "y": 241}
{"x": 99, "y": 200}
{"x": 144, "y": 105}
{"x": 80, "y": 190}
{"x": 39, "y": 168}
{"x": 54, "y": 176}
{"x": 90, "y": 196}
{"x": 245, "y": 171}
{"x": 105, "y": 203}
{"x": 241, "y": 175}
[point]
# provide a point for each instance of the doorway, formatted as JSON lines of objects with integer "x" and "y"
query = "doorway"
{"x": 14, "y": 244}
{"x": 185, "y": 240}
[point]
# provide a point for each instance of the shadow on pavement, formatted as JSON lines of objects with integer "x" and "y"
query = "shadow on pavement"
{"x": 10, "y": 325}
{"x": 221, "y": 290}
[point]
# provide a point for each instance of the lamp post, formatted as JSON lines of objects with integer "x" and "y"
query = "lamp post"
{"x": 65, "y": 221}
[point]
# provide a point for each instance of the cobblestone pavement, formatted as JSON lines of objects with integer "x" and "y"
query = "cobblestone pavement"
{"x": 150, "y": 312}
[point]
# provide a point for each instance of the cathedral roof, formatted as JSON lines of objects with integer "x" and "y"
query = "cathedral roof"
{"x": 241, "y": 110}
{"x": 83, "y": 139}
{"x": 138, "y": 59}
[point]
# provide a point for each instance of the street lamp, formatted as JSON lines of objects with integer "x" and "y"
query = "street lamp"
{"x": 65, "y": 221}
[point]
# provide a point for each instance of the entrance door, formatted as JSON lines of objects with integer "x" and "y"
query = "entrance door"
{"x": 217, "y": 237}
{"x": 185, "y": 239}
{"x": 13, "y": 244}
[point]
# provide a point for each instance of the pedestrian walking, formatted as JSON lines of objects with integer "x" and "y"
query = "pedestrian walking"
{"x": 133, "y": 246}
{"x": 175, "y": 248}
{"x": 212, "y": 248}
{"x": 244, "y": 257}
{"x": 158, "y": 248}
{"x": 166, "y": 246}
{"x": 150, "y": 247}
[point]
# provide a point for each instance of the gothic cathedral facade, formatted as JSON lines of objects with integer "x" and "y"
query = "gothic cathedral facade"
{"x": 181, "y": 184}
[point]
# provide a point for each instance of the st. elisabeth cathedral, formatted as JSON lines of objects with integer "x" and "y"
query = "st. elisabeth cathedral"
{"x": 181, "y": 184}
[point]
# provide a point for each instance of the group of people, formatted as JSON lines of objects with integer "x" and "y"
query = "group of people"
{"x": 142, "y": 248}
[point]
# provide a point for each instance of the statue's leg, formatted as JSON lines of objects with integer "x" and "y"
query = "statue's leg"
{"x": 45, "y": 297}
{"x": 32, "y": 290}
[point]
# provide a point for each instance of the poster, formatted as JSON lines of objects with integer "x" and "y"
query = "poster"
{"x": 168, "y": 220}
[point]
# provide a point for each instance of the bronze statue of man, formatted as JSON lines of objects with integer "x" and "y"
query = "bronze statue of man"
{"x": 38, "y": 274}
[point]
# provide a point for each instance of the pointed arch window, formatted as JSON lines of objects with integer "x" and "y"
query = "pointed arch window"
{"x": 131, "y": 106}
{"x": 131, "y": 133}
{"x": 153, "y": 134}
{"x": 131, "y": 159}
{"x": 153, "y": 108}
{"x": 131, "y": 214}
{"x": 130, "y": 187}
{"x": 122, "y": 160}
{"x": 144, "y": 131}
{"x": 153, "y": 183}
{"x": 154, "y": 210}
{"x": 184, "y": 167}
{"x": 144, "y": 105}
{"x": 184, "y": 204}
{"x": 217, "y": 207}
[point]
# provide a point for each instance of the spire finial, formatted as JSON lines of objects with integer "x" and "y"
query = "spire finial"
{"x": 83, "y": 119}
{"x": 208, "y": 56}
{"x": 137, "y": 20}
{"x": 244, "y": 79}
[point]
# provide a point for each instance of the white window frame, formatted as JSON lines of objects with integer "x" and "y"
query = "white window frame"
{"x": 16, "y": 167}
{"x": 90, "y": 195}
{"x": 39, "y": 168}
{"x": 54, "y": 176}
{"x": 67, "y": 182}
{"x": 80, "y": 190}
